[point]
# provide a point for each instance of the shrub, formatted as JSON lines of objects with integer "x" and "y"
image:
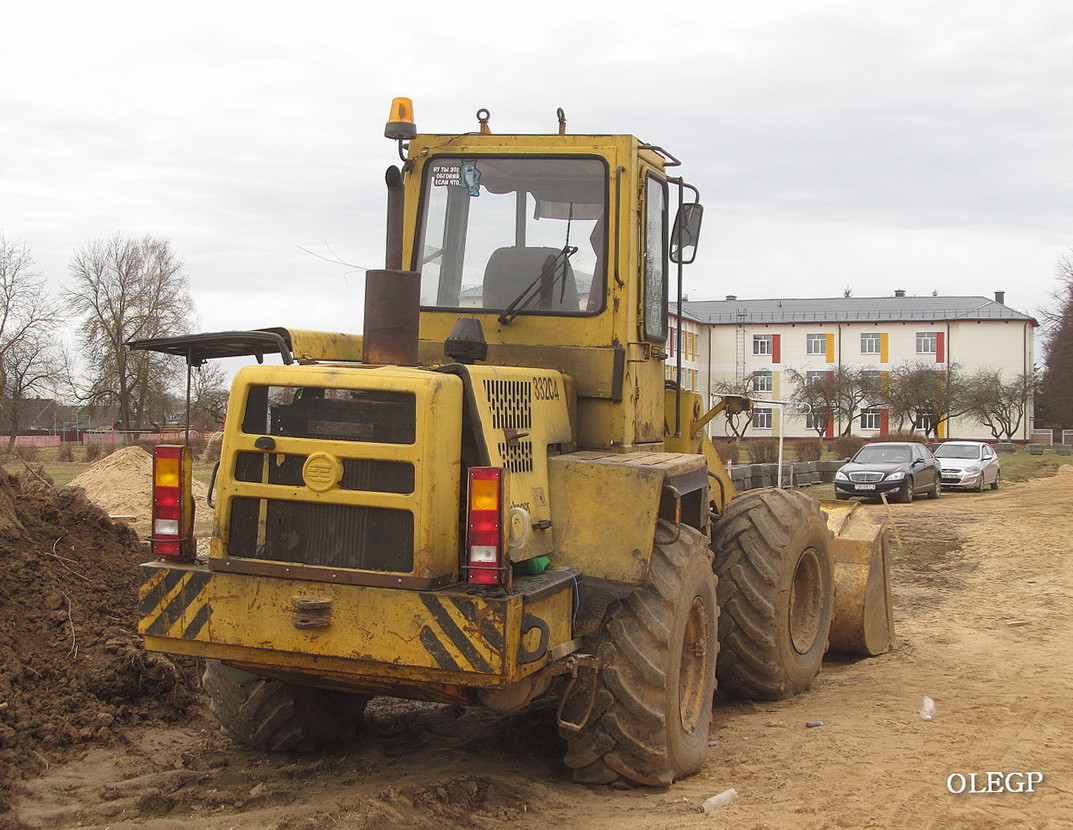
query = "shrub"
{"x": 728, "y": 451}
{"x": 145, "y": 444}
{"x": 810, "y": 449}
{"x": 885, "y": 437}
{"x": 846, "y": 445}
{"x": 93, "y": 452}
{"x": 764, "y": 451}
{"x": 211, "y": 453}
{"x": 65, "y": 453}
{"x": 29, "y": 452}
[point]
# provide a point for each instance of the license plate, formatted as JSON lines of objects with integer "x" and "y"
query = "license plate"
{"x": 866, "y": 487}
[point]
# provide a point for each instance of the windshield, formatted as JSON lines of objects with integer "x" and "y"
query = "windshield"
{"x": 954, "y": 451}
{"x": 524, "y": 234}
{"x": 882, "y": 455}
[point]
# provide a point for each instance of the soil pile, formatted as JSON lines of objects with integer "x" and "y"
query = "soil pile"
{"x": 72, "y": 670}
{"x": 122, "y": 484}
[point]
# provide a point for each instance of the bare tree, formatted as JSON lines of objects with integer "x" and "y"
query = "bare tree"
{"x": 837, "y": 395}
{"x": 925, "y": 398}
{"x": 208, "y": 397}
{"x": 1055, "y": 402}
{"x": 999, "y": 405}
{"x": 126, "y": 289}
{"x": 29, "y": 319}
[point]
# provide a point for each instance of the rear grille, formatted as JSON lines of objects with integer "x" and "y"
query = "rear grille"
{"x": 358, "y": 473}
{"x": 317, "y": 533}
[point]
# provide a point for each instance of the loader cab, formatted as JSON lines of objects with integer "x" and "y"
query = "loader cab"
{"x": 559, "y": 246}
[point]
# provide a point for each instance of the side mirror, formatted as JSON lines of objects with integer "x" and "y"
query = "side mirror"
{"x": 686, "y": 233}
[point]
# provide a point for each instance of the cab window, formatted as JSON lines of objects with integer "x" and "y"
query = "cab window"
{"x": 655, "y": 260}
{"x": 513, "y": 233}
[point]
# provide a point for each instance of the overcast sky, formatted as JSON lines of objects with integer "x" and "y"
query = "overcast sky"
{"x": 926, "y": 146}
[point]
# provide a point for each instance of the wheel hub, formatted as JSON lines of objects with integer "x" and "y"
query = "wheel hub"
{"x": 694, "y": 667}
{"x": 806, "y": 602}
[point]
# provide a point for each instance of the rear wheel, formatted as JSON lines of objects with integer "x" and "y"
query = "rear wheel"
{"x": 776, "y": 592}
{"x": 274, "y": 716}
{"x": 937, "y": 489}
{"x": 652, "y": 702}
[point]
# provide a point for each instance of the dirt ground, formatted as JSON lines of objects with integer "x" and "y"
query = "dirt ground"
{"x": 983, "y": 586}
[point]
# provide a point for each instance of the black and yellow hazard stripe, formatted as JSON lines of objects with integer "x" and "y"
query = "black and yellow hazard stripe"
{"x": 460, "y": 636}
{"x": 173, "y": 602}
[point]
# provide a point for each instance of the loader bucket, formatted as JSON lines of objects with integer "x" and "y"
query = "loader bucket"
{"x": 863, "y": 619}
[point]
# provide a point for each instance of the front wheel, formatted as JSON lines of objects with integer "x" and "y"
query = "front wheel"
{"x": 906, "y": 496}
{"x": 994, "y": 484}
{"x": 652, "y": 702}
{"x": 776, "y": 593}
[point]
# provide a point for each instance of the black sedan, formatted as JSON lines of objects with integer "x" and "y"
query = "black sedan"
{"x": 901, "y": 470}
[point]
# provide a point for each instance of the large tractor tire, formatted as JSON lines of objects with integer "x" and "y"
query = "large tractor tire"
{"x": 776, "y": 593}
{"x": 652, "y": 701}
{"x": 274, "y": 716}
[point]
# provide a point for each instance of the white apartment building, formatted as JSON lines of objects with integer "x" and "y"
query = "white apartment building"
{"x": 729, "y": 341}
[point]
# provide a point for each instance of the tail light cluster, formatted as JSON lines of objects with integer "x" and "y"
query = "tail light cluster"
{"x": 173, "y": 504}
{"x": 484, "y": 537}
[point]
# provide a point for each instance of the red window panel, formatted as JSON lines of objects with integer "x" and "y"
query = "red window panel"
{"x": 776, "y": 348}
{"x": 940, "y": 347}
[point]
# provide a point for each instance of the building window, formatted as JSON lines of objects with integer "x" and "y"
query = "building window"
{"x": 926, "y": 342}
{"x": 814, "y": 379}
{"x": 871, "y": 342}
{"x": 762, "y": 417}
{"x": 925, "y": 422}
{"x": 816, "y": 344}
{"x": 762, "y": 344}
{"x": 871, "y": 419}
{"x": 816, "y": 420}
{"x": 872, "y": 382}
{"x": 762, "y": 382}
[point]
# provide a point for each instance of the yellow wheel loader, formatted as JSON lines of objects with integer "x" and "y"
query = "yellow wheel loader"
{"x": 492, "y": 495}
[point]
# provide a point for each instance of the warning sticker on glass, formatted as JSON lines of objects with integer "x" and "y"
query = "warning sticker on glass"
{"x": 465, "y": 175}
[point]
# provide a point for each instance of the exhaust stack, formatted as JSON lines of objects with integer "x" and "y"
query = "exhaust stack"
{"x": 392, "y": 295}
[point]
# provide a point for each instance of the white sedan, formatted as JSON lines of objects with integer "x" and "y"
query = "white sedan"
{"x": 968, "y": 464}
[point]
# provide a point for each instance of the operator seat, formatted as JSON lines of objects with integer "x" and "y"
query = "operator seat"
{"x": 511, "y": 270}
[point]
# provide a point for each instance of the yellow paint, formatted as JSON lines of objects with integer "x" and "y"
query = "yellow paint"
{"x": 310, "y": 346}
{"x": 830, "y": 357}
{"x": 884, "y": 347}
{"x": 450, "y": 636}
{"x": 619, "y": 406}
{"x": 604, "y": 508}
{"x": 435, "y": 456}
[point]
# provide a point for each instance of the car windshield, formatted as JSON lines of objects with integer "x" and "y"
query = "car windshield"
{"x": 878, "y": 454}
{"x": 955, "y": 451}
{"x": 524, "y": 234}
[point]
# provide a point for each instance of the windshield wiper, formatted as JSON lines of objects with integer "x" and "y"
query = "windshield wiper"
{"x": 544, "y": 282}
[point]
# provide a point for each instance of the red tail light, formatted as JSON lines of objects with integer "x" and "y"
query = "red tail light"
{"x": 173, "y": 504}
{"x": 484, "y": 538}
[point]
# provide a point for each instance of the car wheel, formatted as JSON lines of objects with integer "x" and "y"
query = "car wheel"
{"x": 937, "y": 490}
{"x": 907, "y": 493}
{"x": 980, "y": 487}
{"x": 994, "y": 484}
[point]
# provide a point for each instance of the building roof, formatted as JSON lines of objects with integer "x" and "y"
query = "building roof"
{"x": 851, "y": 310}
